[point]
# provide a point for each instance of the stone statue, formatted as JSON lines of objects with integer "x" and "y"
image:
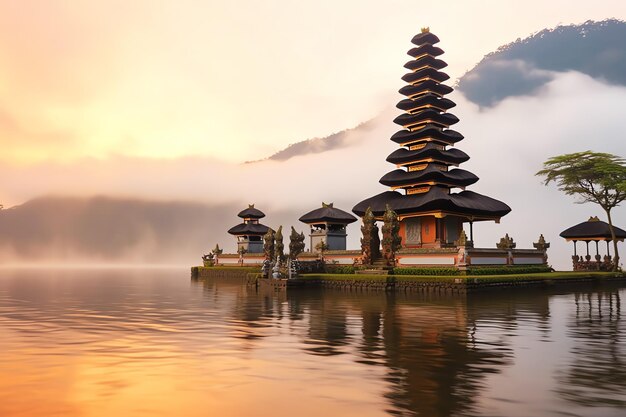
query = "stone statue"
{"x": 265, "y": 269}
{"x": 463, "y": 241}
{"x": 276, "y": 269}
{"x": 208, "y": 259}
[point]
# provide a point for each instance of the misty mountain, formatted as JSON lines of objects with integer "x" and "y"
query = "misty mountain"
{"x": 519, "y": 68}
{"x": 117, "y": 229}
{"x": 317, "y": 145}
{"x": 522, "y": 67}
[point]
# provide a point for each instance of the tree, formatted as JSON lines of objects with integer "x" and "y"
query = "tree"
{"x": 268, "y": 245}
{"x": 367, "y": 230}
{"x": 296, "y": 243}
{"x": 598, "y": 178}
{"x": 375, "y": 242}
{"x": 391, "y": 237}
{"x": 279, "y": 246}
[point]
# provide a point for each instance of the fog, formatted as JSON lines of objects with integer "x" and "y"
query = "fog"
{"x": 177, "y": 209}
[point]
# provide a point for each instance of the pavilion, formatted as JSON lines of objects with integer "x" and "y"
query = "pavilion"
{"x": 328, "y": 225}
{"x": 593, "y": 230}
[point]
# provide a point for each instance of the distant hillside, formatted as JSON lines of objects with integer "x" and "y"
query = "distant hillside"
{"x": 317, "y": 145}
{"x": 108, "y": 229}
{"x": 597, "y": 49}
{"x": 116, "y": 229}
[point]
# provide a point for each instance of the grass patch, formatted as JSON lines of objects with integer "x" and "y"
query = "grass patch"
{"x": 509, "y": 269}
{"x": 340, "y": 269}
{"x": 438, "y": 271}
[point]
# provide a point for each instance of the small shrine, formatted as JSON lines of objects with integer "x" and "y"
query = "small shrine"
{"x": 422, "y": 192}
{"x": 250, "y": 232}
{"x": 328, "y": 227}
{"x": 596, "y": 231}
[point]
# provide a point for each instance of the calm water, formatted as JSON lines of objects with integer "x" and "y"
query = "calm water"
{"x": 154, "y": 343}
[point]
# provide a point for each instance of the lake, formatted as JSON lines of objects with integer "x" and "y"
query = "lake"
{"x": 149, "y": 342}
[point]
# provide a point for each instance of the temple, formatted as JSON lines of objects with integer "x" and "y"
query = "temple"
{"x": 328, "y": 225}
{"x": 424, "y": 183}
{"x": 250, "y": 232}
{"x": 428, "y": 201}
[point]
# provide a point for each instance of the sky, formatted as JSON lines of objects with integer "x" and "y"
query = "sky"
{"x": 228, "y": 80}
{"x": 165, "y": 100}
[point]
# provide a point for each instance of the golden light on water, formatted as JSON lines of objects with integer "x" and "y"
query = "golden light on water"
{"x": 136, "y": 343}
{"x": 146, "y": 379}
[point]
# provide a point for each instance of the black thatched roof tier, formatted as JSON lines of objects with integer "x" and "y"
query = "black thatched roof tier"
{"x": 426, "y": 100}
{"x": 465, "y": 203}
{"x": 252, "y": 229}
{"x": 424, "y": 88}
{"x": 430, "y": 151}
{"x": 424, "y": 74}
{"x": 426, "y": 117}
{"x": 251, "y": 213}
{"x": 426, "y": 61}
{"x": 425, "y": 37}
{"x": 425, "y": 49}
{"x": 455, "y": 177}
{"x": 328, "y": 213}
{"x": 592, "y": 229}
{"x": 431, "y": 132}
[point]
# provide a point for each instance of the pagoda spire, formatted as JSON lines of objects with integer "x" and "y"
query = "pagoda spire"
{"x": 426, "y": 177}
{"x": 423, "y": 161}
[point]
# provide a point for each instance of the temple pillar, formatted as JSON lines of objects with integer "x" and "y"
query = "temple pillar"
{"x": 438, "y": 230}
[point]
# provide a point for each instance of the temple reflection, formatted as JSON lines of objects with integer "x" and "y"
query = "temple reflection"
{"x": 437, "y": 352}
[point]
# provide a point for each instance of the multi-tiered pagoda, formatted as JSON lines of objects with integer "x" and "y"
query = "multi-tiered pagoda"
{"x": 430, "y": 209}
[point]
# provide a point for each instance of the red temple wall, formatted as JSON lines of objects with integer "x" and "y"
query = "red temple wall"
{"x": 402, "y": 233}
{"x": 429, "y": 232}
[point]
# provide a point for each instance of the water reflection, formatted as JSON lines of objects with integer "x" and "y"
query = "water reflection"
{"x": 103, "y": 343}
{"x": 596, "y": 372}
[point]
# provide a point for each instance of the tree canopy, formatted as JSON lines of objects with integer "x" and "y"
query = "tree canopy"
{"x": 594, "y": 177}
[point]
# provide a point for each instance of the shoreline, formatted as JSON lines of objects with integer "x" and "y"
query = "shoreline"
{"x": 418, "y": 283}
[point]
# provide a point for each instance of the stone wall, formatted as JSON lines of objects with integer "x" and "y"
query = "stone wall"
{"x": 243, "y": 275}
{"x": 421, "y": 284}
